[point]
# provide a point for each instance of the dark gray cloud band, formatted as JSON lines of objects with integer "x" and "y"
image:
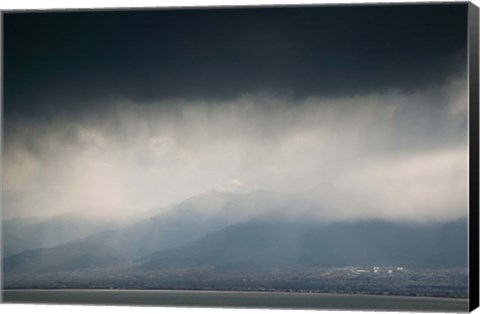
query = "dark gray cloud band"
{"x": 71, "y": 62}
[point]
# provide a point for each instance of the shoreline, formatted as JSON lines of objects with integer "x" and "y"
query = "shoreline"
{"x": 233, "y": 299}
{"x": 236, "y": 292}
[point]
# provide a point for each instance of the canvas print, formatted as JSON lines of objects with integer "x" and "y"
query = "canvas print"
{"x": 278, "y": 157}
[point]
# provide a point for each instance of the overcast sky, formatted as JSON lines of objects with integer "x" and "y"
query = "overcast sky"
{"x": 118, "y": 112}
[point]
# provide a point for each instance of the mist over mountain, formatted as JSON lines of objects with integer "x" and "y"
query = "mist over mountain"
{"x": 256, "y": 230}
{"x": 175, "y": 226}
{"x": 27, "y": 233}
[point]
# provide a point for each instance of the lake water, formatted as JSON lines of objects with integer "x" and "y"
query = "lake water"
{"x": 236, "y": 299}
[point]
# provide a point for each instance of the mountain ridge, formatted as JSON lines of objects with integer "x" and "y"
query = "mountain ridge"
{"x": 193, "y": 232}
{"x": 284, "y": 244}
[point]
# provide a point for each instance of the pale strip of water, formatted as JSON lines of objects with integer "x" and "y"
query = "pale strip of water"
{"x": 236, "y": 299}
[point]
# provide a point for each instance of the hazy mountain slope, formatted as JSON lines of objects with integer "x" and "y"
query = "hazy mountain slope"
{"x": 66, "y": 257}
{"x": 217, "y": 228}
{"x": 246, "y": 242}
{"x": 109, "y": 248}
{"x": 451, "y": 243}
{"x": 184, "y": 222}
{"x": 21, "y": 234}
{"x": 294, "y": 244}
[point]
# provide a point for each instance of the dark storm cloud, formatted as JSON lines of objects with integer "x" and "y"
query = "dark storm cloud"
{"x": 116, "y": 112}
{"x": 68, "y": 63}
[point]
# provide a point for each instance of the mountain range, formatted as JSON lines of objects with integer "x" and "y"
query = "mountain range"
{"x": 26, "y": 233}
{"x": 241, "y": 232}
